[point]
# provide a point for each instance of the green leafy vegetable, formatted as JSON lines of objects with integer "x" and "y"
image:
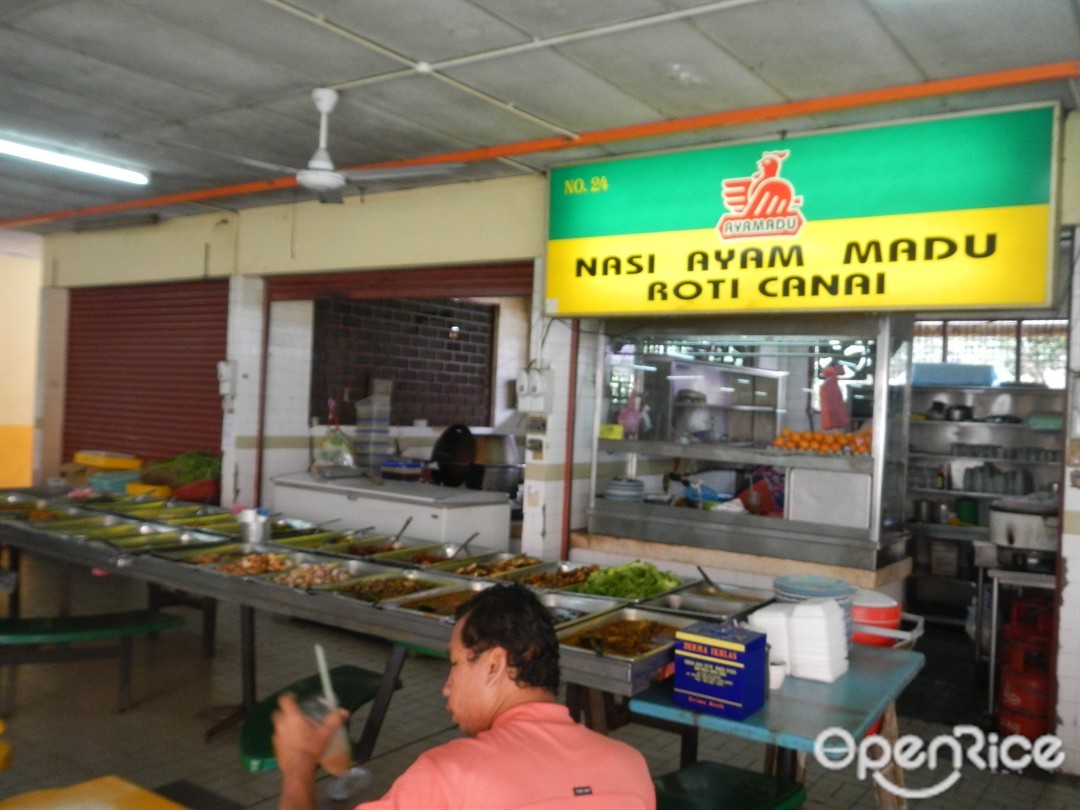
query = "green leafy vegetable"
{"x": 635, "y": 580}
{"x": 195, "y": 465}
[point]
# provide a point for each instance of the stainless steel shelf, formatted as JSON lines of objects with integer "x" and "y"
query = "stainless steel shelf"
{"x": 940, "y": 458}
{"x": 746, "y": 408}
{"x": 963, "y": 493}
{"x": 741, "y": 456}
{"x": 943, "y": 531}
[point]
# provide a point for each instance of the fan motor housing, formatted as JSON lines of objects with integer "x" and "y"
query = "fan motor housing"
{"x": 320, "y": 179}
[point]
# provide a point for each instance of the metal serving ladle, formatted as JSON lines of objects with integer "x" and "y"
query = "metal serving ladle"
{"x": 464, "y": 545}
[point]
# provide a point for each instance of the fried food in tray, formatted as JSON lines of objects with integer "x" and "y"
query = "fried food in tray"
{"x": 628, "y": 638}
{"x": 255, "y": 564}
{"x": 493, "y": 566}
{"x": 311, "y": 575}
{"x": 558, "y": 578}
{"x": 443, "y": 604}
{"x": 378, "y": 588}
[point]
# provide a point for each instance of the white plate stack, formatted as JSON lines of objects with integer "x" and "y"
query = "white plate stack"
{"x": 797, "y": 587}
{"x": 624, "y": 489}
{"x": 817, "y": 640}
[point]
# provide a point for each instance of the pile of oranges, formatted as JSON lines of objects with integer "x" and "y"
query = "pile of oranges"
{"x": 817, "y": 441}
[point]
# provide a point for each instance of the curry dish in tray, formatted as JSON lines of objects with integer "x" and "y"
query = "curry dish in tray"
{"x": 629, "y": 638}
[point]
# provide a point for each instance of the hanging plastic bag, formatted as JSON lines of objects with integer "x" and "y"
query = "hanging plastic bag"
{"x": 335, "y": 449}
{"x": 834, "y": 412}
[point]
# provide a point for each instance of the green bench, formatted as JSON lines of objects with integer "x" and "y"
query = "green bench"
{"x": 709, "y": 785}
{"x": 353, "y": 687}
{"x": 72, "y": 638}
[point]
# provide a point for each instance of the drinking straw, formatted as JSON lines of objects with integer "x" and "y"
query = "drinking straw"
{"x": 324, "y": 675}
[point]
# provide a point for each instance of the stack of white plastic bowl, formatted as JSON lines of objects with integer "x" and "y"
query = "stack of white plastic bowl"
{"x": 817, "y": 640}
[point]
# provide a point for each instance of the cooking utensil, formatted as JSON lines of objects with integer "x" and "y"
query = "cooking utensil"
{"x": 464, "y": 545}
{"x": 401, "y": 531}
{"x": 959, "y": 413}
{"x": 707, "y": 578}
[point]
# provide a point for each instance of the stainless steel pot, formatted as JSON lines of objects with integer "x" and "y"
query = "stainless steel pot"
{"x": 959, "y": 413}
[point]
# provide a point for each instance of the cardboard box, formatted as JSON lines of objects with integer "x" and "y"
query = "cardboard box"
{"x": 720, "y": 669}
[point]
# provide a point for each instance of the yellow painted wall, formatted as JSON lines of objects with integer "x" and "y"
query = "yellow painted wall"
{"x": 20, "y": 295}
{"x": 463, "y": 223}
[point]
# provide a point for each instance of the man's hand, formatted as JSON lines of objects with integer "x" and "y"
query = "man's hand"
{"x": 299, "y": 742}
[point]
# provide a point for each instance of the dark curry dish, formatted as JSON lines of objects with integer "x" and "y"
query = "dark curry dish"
{"x": 626, "y": 637}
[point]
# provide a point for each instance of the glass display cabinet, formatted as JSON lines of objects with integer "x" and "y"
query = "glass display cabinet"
{"x": 722, "y": 434}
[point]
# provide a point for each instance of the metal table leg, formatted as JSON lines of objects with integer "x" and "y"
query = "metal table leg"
{"x": 366, "y": 744}
{"x": 236, "y": 714}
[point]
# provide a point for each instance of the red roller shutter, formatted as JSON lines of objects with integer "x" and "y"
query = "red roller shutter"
{"x": 142, "y": 368}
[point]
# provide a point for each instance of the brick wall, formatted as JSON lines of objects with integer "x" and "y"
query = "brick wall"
{"x": 439, "y": 373}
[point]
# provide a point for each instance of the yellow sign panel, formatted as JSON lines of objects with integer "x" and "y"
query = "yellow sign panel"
{"x": 958, "y": 259}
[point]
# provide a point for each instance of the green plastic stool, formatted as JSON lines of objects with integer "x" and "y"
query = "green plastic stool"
{"x": 714, "y": 786}
{"x": 353, "y": 686}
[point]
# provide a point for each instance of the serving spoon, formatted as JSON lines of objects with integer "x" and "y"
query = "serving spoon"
{"x": 464, "y": 545}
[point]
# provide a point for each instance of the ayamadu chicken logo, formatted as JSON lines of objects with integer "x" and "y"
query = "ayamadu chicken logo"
{"x": 763, "y": 204}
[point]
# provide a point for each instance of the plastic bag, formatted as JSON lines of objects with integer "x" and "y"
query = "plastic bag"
{"x": 335, "y": 450}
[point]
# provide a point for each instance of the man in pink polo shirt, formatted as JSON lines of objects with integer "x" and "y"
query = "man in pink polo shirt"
{"x": 522, "y": 749}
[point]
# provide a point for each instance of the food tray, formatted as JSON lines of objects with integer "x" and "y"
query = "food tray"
{"x": 682, "y": 583}
{"x": 164, "y": 539}
{"x": 354, "y": 544}
{"x": 423, "y": 556}
{"x": 547, "y": 576}
{"x": 619, "y": 674}
{"x": 261, "y": 563}
{"x": 14, "y": 506}
{"x": 229, "y": 524}
{"x": 440, "y": 604}
{"x": 88, "y": 526}
{"x": 163, "y": 511}
{"x": 213, "y": 555}
{"x": 311, "y": 542}
{"x": 376, "y": 581}
{"x": 310, "y": 571}
{"x": 719, "y": 603}
{"x": 570, "y": 608}
{"x": 489, "y": 566}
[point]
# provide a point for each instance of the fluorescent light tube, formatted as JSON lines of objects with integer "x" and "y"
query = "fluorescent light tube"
{"x": 75, "y": 164}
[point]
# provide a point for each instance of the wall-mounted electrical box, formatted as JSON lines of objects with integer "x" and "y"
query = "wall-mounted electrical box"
{"x": 534, "y": 390}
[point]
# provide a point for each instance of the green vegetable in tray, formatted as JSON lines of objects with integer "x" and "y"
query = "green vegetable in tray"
{"x": 635, "y": 580}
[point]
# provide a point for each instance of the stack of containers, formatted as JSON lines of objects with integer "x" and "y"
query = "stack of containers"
{"x": 108, "y": 471}
{"x": 372, "y": 438}
{"x": 1024, "y": 685}
{"x": 871, "y": 610}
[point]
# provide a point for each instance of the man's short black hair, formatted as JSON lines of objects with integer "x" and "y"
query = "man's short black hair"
{"x": 514, "y": 618}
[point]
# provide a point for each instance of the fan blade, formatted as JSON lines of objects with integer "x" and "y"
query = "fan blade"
{"x": 247, "y": 161}
{"x": 401, "y": 172}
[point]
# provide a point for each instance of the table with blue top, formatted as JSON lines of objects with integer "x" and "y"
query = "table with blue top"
{"x": 795, "y": 714}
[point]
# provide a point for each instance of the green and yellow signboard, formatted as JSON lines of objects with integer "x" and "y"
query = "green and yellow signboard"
{"x": 942, "y": 213}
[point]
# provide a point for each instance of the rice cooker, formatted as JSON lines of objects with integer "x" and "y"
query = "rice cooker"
{"x": 1025, "y": 531}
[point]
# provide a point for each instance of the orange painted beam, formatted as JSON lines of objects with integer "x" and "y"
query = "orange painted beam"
{"x": 789, "y": 109}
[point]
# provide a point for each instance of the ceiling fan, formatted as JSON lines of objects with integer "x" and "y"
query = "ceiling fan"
{"x": 326, "y": 182}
